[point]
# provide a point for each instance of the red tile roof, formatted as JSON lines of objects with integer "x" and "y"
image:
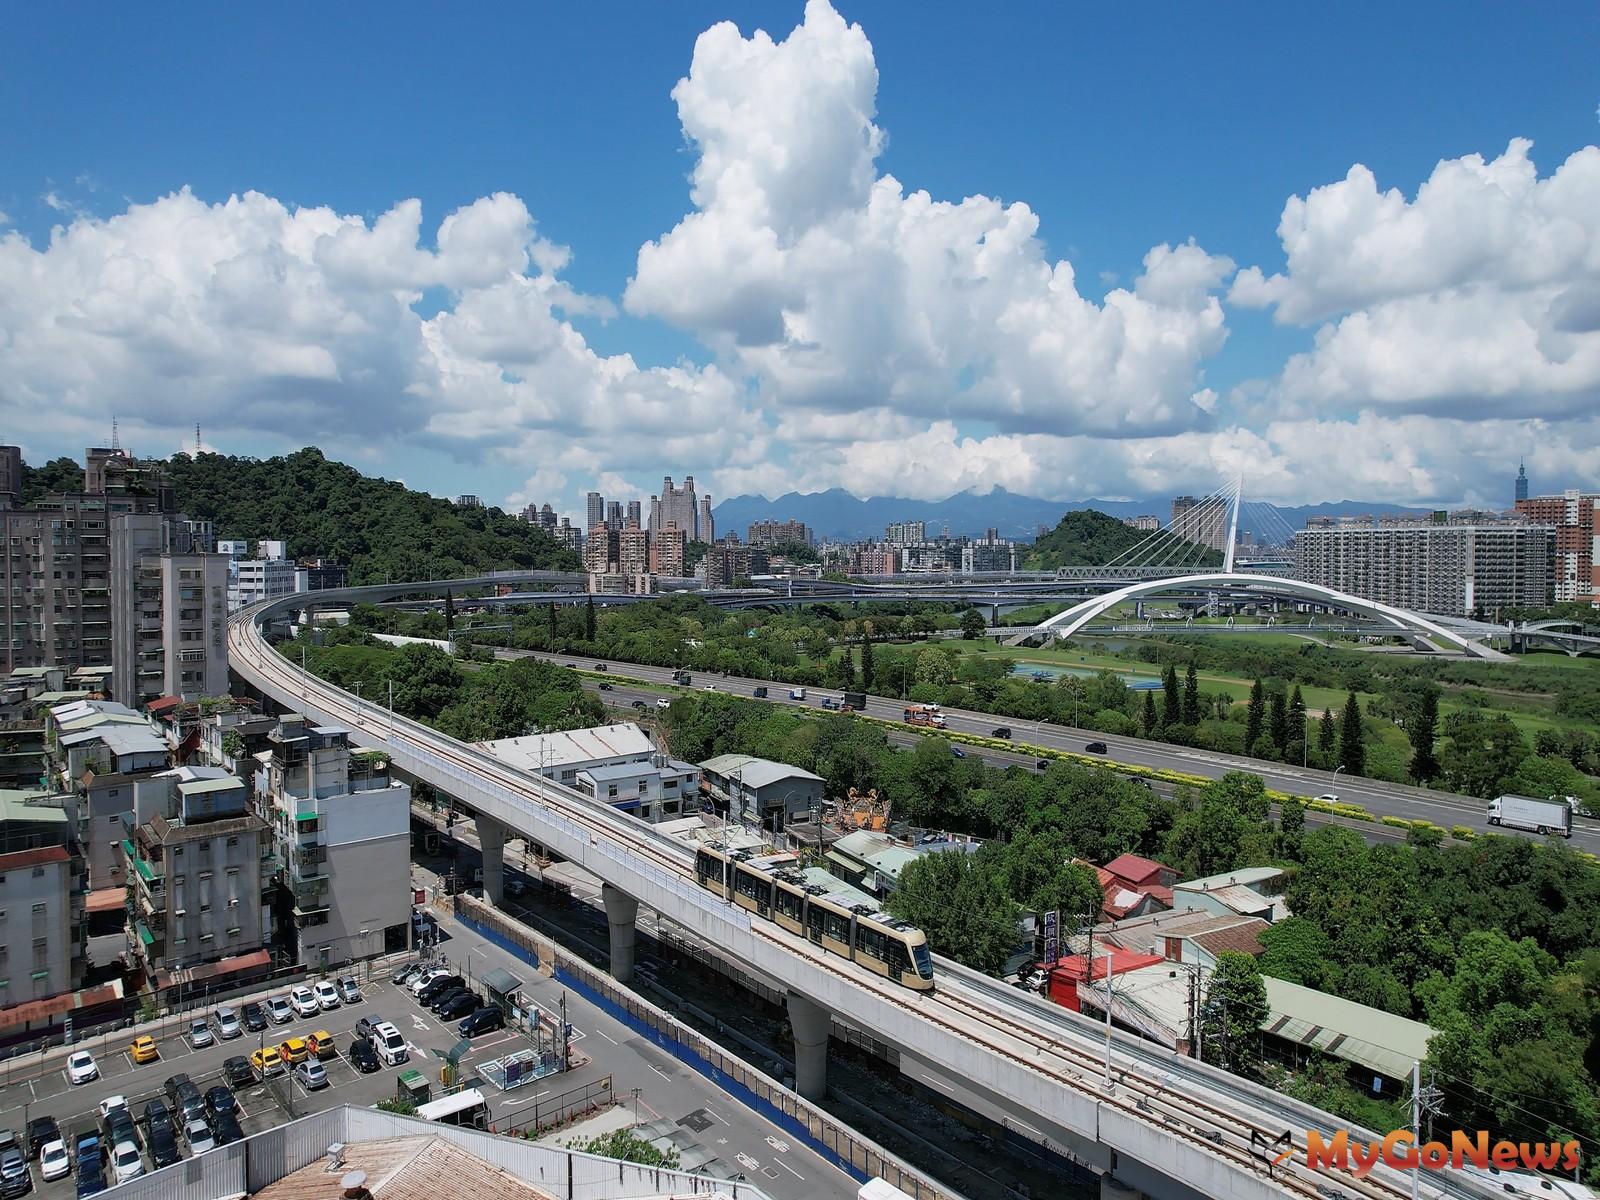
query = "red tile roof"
{"x": 1135, "y": 869}
{"x": 1244, "y": 937}
{"x": 55, "y": 1006}
{"x": 1121, "y": 961}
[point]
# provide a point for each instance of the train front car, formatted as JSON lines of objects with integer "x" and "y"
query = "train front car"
{"x": 895, "y": 950}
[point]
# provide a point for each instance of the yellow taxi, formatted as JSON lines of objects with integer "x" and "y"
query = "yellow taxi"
{"x": 320, "y": 1045}
{"x": 293, "y": 1051}
{"x": 266, "y": 1061}
{"x": 143, "y": 1049}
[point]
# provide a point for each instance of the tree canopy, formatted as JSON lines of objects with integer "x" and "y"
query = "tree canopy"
{"x": 1085, "y": 538}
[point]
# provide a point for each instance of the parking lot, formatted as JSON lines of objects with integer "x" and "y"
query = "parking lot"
{"x": 48, "y": 1092}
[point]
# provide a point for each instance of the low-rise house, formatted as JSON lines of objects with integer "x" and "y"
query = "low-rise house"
{"x": 658, "y": 789}
{"x": 1188, "y": 935}
{"x": 1068, "y": 972}
{"x": 758, "y": 791}
{"x": 1247, "y": 892}
{"x": 561, "y": 755}
{"x": 1302, "y": 1020}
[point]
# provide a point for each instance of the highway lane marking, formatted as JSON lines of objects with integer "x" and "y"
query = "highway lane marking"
{"x": 788, "y": 1168}
{"x": 607, "y": 1036}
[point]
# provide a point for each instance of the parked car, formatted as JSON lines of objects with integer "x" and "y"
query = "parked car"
{"x": 294, "y": 1051}
{"x": 423, "y": 978}
{"x": 143, "y": 1050}
{"x": 220, "y": 1100}
{"x": 228, "y": 1025}
{"x": 407, "y": 971}
{"x": 198, "y": 1134}
{"x": 112, "y": 1103}
{"x": 126, "y": 1162}
{"x": 1003, "y": 732}
{"x": 312, "y": 1075}
{"x": 254, "y": 1016}
{"x": 91, "y": 1178}
{"x": 362, "y": 1056}
{"x": 438, "y": 987}
{"x": 366, "y": 1026}
{"x": 15, "y": 1178}
{"x": 482, "y": 1021}
{"x": 185, "y": 1097}
{"x": 1095, "y": 747}
{"x": 390, "y": 1045}
{"x": 200, "y": 1033}
{"x": 446, "y": 996}
{"x": 458, "y": 1005}
{"x": 266, "y": 1062}
{"x": 226, "y": 1129}
{"x": 327, "y": 996}
{"x": 304, "y": 1001}
{"x": 280, "y": 1010}
{"x": 162, "y": 1142}
{"x": 514, "y": 886}
{"x": 81, "y": 1067}
{"x": 321, "y": 1045}
{"x": 238, "y": 1072}
{"x": 349, "y": 992}
{"x": 54, "y": 1162}
{"x": 40, "y": 1131}
{"x": 155, "y": 1113}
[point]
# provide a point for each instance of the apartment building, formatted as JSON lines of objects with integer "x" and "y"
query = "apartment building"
{"x": 669, "y": 552}
{"x": 42, "y": 888}
{"x": 633, "y": 550}
{"x": 168, "y": 615}
{"x": 1201, "y": 521}
{"x": 1451, "y": 570}
{"x": 989, "y": 553}
{"x": 1574, "y": 574}
{"x": 600, "y": 551}
{"x": 342, "y": 832}
{"x": 874, "y": 560}
{"x": 729, "y": 560}
{"x": 106, "y": 756}
{"x": 776, "y": 533}
{"x": 906, "y": 533}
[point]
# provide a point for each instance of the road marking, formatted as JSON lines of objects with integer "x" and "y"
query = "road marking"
{"x": 780, "y": 1147}
{"x": 747, "y": 1162}
{"x": 418, "y": 1023}
{"x": 605, "y": 1035}
{"x": 658, "y": 1071}
{"x": 790, "y": 1169}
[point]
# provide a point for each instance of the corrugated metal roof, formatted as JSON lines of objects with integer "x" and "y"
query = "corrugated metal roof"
{"x": 1381, "y": 1041}
{"x": 200, "y": 787}
{"x": 403, "y": 1168}
{"x": 755, "y": 772}
{"x": 542, "y": 751}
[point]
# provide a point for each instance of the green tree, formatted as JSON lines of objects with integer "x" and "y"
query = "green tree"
{"x": 1147, "y": 717}
{"x": 1300, "y": 952}
{"x": 550, "y": 622}
{"x": 1483, "y": 751}
{"x": 1421, "y": 730}
{"x": 426, "y": 681}
{"x": 1191, "y": 696}
{"x": 1297, "y": 718}
{"x": 1291, "y": 826}
{"x": 449, "y": 610}
{"x": 1232, "y": 1013}
{"x": 588, "y": 620}
{"x": 1171, "y": 700}
{"x": 1327, "y": 736}
{"x": 1352, "y": 745}
{"x": 1278, "y": 722}
{"x": 972, "y": 625}
{"x": 960, "y": 903}
{"x": 866, "y": 658}
{"x": 627, "y": 1146}
{"x": 1255, "y": 716}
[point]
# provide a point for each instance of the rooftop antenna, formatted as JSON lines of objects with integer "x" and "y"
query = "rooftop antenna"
{"x": 197, "y": 439}
{"x": 115, "y": 443}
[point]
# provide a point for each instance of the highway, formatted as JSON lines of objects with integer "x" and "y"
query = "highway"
{"x": 1379, "y": 798}
{"x": 1169, "y": 1125}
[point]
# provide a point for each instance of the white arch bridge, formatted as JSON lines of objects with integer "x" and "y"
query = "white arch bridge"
{"x": 1412, "y": 625}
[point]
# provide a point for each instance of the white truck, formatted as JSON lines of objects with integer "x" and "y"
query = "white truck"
{"x": 1535, "y": 816}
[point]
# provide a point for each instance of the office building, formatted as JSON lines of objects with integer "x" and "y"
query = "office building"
{"x": 1572, "y": 515}
{"x": 341, "y": 831}
{"x": 1450, "y": 570}
{"x": 906, "y": 533}
{"x": 595, "y": 513}
{"x": 777, "y": 533}
{"x": 681, "y": 507}
{"x": 1204, "y": 522}
{"x": 1522, "y": 483}
{"x": 168, "y": 615}
{"x": 633, "y": 514}
{"x": 614, "y": 515}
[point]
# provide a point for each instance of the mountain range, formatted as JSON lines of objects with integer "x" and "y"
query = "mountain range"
{"x": 840, "y": 516}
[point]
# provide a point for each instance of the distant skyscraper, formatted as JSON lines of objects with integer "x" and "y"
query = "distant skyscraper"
{"x": 614, "y": 514}
{"x": 677, "y": 506}
{"x": 633, "y": 518}
{"x": 1522, "y": 483}
{"x": 596, "y": 514}
{"x": 707, "y": 528}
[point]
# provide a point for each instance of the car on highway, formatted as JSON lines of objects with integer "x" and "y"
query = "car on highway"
{"x": 482, "y": 1021}
{"x": 54, "y": 1162}
{"x": 312, "y": 1075}
{"x": 640, "y": 705}
{"x": 362, "y": 1056}
{"x": 327, "y": 996}
{"x": 40, "y": 1131}
{"x": 200, "y": 1033}
{"x": 604, "y": 686}
{"x": 304, "y": 1001}
{"x": 266, "y": 1062}
{"x": 1003, "y": 731}
{"x": 663, "y": 702}
{"x": 760, "y": 693}
{"x": 143, "y": 1049}
{"x": 126, "y": 1162}
{"x": 238, "y": 1072}
{"x": 81, "y": 1067}
{"x": 228, "y": 1024}
{"x": 198, "y": 1134}
{"x": 15, "y": 1178}
{"x": 1095, "y": 747}
{"x": 254, "y": 1017}
{"x": 1329, "y": 797}
{"x": 958, "y": 751}
{"x": 280, "y": 1010}
{"x": 601, "y": 667}
{"x": 349, "y": 990}
{"x": 1044, "y": 764}
{"x": 293, "y": 1051}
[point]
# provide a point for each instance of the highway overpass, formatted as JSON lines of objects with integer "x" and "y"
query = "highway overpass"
{"x": 1148, "y": 1119}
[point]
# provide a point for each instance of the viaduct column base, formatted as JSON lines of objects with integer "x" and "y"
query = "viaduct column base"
{"x": 811, "y": 1023}
{"x": 622, "y": 910}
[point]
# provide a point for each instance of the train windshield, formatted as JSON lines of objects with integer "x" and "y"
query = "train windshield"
{"x": 923, "y": 960}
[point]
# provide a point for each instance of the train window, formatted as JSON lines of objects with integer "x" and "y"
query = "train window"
{"x": 924, "y": 961}
{"x": 707, "y": 867}
{"x": 814, "y": 918}
{"x": 871, "y": 942}
{"x": 837, "y": 927}
{"x": 786, "y": 902}
{"x": 750, "y": 884}
{"x": 899, "y": 961}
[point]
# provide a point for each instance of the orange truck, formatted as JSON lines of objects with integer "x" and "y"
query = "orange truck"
{"x": 925, "y": 714}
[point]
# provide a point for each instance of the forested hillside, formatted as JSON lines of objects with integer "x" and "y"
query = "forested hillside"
{"x": 1091, "y": 539}
{"x": 381, "y": 529}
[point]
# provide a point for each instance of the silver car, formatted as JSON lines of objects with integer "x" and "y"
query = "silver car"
{"x": 228, "y": 1026}
{"x": 200, "y": 1033}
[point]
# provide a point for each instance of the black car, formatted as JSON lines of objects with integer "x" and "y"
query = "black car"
{"x": 760, "y": 693}
{"x": 362, "y": 1056}
{"x": 1044, "y": 764}
{"x": 1003, "y": 732}
{"x": 438, "y": 988}
{"x": 163, "y": 1145}
{"x": 186, "y": 1098}
{"x": 238, "y": 1072}
{"x": 156, "y": 1113}
{"x": 481, "y": 1021}
{"x": 639, "y": 704}
{"x": 447, "y": 996}
{"x": 1096, "y": 748}
{"x": 91, "y": 1178}
{"x": 40, "y": 1131}
{"x": 601, "y": 667}
{"x": 120, "y": 1128}
{"x": 604, "y": 686}
{"x": 15, "y": 1178}
{"x": 226, "y": 1129}
{"x": 254, "y": 1017}
{"x": 458, "y": 1005}
{"x": 220, "y": 1100}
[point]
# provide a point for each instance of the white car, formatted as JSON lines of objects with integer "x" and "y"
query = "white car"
{"x": 327, "y": 996}
{"x": 389, "y": 1044}
{"x": 1329, "y": 797}
{"x": 228, "y": 1026}
{"x": 423, "y": 980}
{"x": 110, "y": 1105}
{"x": 53, "y": 1160}
{"x": 280, "y": 1010}
{"x": 125, "y": 1162}
{"x": 81, "y": 1067}
{"x": 663, "y": 702}
{"x": 198, "y": 1134}
{"x": 304, "y": 1001}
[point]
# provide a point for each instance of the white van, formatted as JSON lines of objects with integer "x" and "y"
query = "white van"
{"x": 389, "y": 1044}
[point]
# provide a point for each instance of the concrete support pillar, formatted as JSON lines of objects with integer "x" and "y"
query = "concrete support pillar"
{"x": 812, "y": 1024}
{"x": 621, "y": 912}
{"x": 1112, "y": 1188}
{"x": 492, "y": 840}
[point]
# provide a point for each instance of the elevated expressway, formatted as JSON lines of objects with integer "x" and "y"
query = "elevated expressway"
{"x": 1158, "y": 1123}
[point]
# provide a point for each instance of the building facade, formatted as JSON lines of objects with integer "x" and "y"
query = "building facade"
{"x": 669, "y": 552}
{"x": 1204, "y": 522}
{"x": 760, "y": 792}
{"x": 1572, "y": 515}
{"x": 906, "y": 533}
{"x": 1450, "y": 570}
{"x": 989, "y": 553}
{"x": 774, "y": 533}
{"x": 169, "y": 615}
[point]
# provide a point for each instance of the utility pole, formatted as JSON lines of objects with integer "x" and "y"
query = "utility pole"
{"x": 1416, "y": 1122}
{"x": 1106, "y": 1084}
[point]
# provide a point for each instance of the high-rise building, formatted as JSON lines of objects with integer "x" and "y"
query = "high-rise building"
{"x": 1522, "y": 482}
{"x": 569, "y": 535}
{"x": 1449, "y": 570}
{"x": 468, "y": 501}
{"x": 1200, "y": 521}
{"x": 1573, "y": 515}
{"x": 613, "y": 515}
{"x": 676, "y": 506}
{"x": 1147, "y": 524}
{"x": 169, "y": 614}
{"x": 595, "y": 513}
{"x": 10, "y": 476}
{"x": 600, "y": 551}
{"x": 633, "y": 550}
{"x": 906, "y": 533}
{"x": 990, "y": 553}
{"x": 668, "y": 550}
{"x": 775, "y": 533}
{"x": 633, "y": 515}
{"x": 869, "y": 559}
{"x": 706, "y": 529}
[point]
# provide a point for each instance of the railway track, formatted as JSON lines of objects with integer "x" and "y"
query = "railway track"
{"x": 1143, "y": 1090}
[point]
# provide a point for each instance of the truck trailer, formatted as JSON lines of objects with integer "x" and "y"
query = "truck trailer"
{"x": 1534, "y": 816}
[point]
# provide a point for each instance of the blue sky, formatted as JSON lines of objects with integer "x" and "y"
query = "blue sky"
{"x": 1120, "y": 130}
